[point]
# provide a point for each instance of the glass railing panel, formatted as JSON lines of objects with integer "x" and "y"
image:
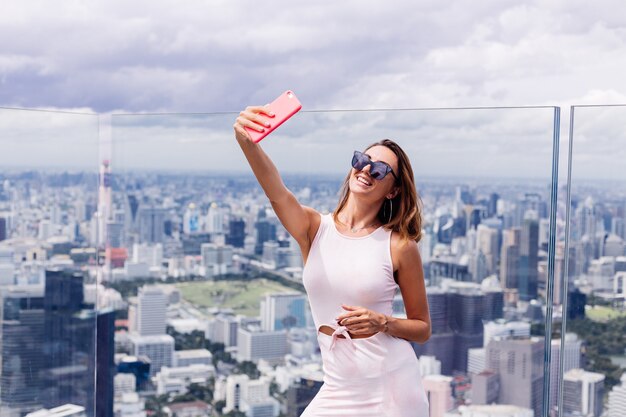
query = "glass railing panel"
{"x": 594, "y": 261}
{"x": 50, "y": 344}
{"x": 199, "y": 233}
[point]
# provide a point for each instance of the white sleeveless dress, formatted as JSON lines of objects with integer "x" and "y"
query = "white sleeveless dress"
{"x": 375, "y": 376}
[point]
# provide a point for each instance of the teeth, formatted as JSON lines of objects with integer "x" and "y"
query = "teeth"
{"x": 360, "y": 179}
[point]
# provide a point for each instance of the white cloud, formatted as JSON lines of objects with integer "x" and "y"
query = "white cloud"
{"x": 199, "y": 56}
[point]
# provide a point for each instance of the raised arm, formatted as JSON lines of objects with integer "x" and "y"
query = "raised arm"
{"x": 296, "y": 218}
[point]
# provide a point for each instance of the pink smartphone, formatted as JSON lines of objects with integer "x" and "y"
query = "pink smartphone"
{"x": 285, "y": 106}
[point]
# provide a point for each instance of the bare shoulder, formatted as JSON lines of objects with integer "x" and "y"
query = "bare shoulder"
{"x": 403, "y": 252}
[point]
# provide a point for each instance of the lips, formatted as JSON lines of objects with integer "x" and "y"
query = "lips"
{"x": 362, "y": 180}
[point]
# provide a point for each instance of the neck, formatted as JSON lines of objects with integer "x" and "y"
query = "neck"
{"x": 357, "y": 214}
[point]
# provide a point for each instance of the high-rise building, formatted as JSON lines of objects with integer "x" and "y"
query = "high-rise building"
{"x": 299, "y": 395}
{"x": 254, "y": 344}
{"x": 223, "y": 329}
{"x": 22, "y": 357}
{"x": 510, "y": 257}
{"x": 215, "y": 220}
{"x": 191, "y": 220}
{"x": 583, "y": 392}
{"x": 131, "y": 211}
{"x": 217, "y": 259}
{"x": 266, "y": 231}
{"x": 493, "y": 307}
{"x": 439, "y": 393}
{"x": 466, "y": 315}
{"x": 104, "y": 200}
{"x": 617, "y": 399}
{"x": 476, "y": 362}
{"x": 576, "y": 302}
{"x": 492, "y": 207}
{"x": 151, "y": 309}
{"x": 4, "y": 233}
{"x": 519, "y": 365}
{"x": 283, "y": 311}
{"x": 485, "y": 387}
{"x": 270, "y": 253}
{"x": 251, "y": 397}
{"x": 70, "y": 332}
{"x": 159, "y": 349}
{"x": 77, "y": 340}
{"x": 487, "y": 242}
{"x": 571, "y": 360}
{"x": 105, "y": 363}
{"x": 457, "y": 312}
{"x": 114, "y": 234}
{"x": 528, "y": 260}
{"x": 151, "y": 224}
{"x": 236, "y": 233}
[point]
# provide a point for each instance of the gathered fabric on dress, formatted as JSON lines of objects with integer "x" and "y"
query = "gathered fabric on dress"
{"x": 374, "y": 376}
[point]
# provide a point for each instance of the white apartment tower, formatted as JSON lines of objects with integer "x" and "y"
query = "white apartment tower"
{"x": 617, "y": 399}
{"x": 151, "y": 309}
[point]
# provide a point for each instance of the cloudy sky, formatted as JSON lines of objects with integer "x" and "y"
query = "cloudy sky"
{"x": 218, "y": 56}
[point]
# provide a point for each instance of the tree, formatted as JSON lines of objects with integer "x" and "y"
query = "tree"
{"x": 219, "y": 406}
{"x": 249, "y": 368}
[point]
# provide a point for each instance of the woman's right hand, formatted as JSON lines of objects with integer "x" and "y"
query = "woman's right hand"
{"x": 252, "y": 118}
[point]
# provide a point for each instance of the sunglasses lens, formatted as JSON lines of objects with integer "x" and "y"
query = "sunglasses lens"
{"x": 378, "y": 170}
{"x": 359, "y": 161}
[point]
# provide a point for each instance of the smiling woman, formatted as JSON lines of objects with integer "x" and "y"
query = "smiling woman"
{"x": 355, "y": 260}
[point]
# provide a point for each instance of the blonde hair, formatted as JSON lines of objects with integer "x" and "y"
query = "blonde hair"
{"x": 406, "y": 219}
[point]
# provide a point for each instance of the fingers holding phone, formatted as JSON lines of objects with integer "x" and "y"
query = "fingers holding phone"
{"x": 253, "y": 118}
{"x": 260, "y": 121}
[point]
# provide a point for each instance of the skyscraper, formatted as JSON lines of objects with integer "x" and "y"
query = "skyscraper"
{"x": 105, "y": 363}
{"x": 466, "y": 315}
{"x": 266, "y": 231}
{"x": 487, "y": 243}
{"x": 509, "y": 258}
{"x": 104, "y": 199}
{"x": 22, "y": 357}
{"x": 151, "y": 224}
{"x": 69, "y": 339}
{"x": 519, "y": 365}
{"x": 571, "y": 360}
{"x": 191, "y": 220}
{"x": 4, "y": 233}
{"x": 214, "y": 219}
{"x": 151, "y": 308}
{"x": 236, "y": 233}
{"x": 528, "y": 260}
{"x": 131, "y": 209}
{"x": 76, "y": 340}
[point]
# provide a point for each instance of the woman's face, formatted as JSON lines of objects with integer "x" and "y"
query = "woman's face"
{"x": 362, "y": 183}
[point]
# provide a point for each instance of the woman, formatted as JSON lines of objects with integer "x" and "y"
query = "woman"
{"x": 354, "y": 261}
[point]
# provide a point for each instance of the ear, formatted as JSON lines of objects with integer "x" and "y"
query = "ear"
{"x": 394, "y": 192}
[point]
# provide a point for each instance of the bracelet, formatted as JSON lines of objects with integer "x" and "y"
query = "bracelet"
{"x": 385, "y": 328}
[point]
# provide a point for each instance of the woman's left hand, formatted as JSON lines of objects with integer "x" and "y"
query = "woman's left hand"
{"x": 360, "y": 320}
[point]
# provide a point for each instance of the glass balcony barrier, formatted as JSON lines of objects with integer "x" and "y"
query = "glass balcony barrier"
{"x": 55, "y": 331}
{"x": 216, "y": 308}
{"x": 593, "y": 258}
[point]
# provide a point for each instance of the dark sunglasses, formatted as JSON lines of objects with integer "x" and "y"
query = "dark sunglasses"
{"x": 378, "y": 169}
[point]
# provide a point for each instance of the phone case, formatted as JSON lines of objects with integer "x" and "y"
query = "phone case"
{"x": 285, "y": 106}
